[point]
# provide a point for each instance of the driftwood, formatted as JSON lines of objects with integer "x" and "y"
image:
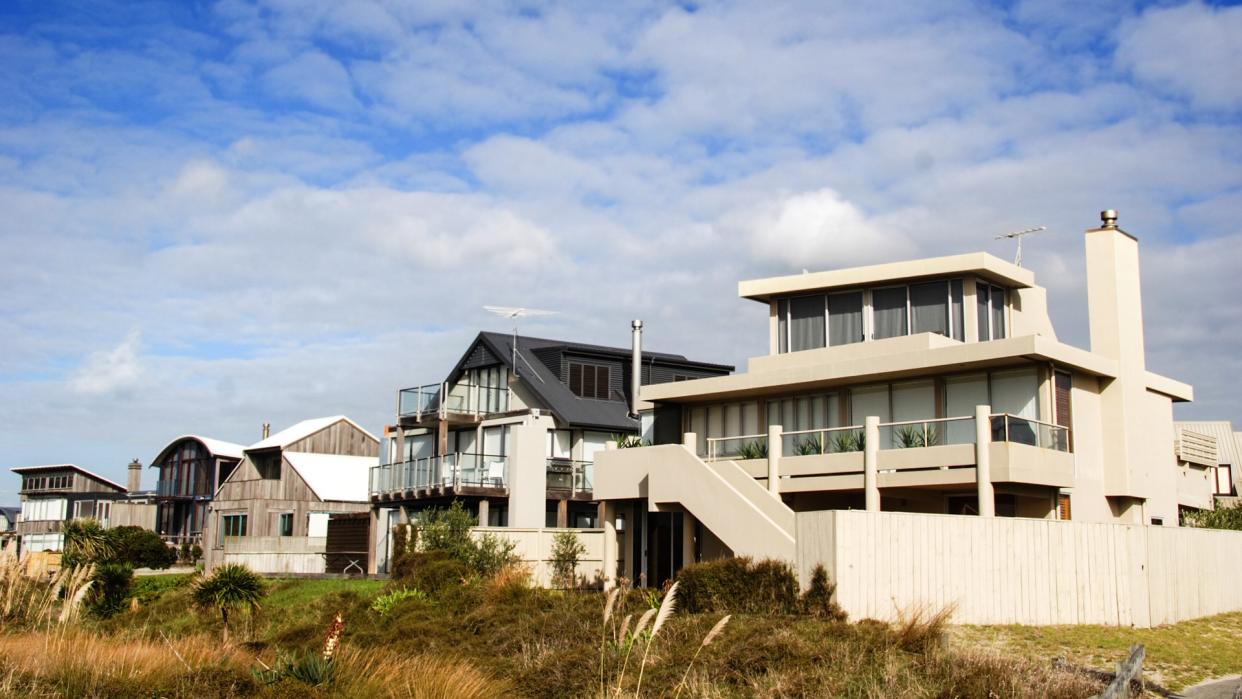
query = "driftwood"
{"x": 1126, "y": 682}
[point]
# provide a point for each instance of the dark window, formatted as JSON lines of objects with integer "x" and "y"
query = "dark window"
{"x": 990, "y": 302}
{"x": 955, "y": 310}
{"x": 286, "y": 524}
{"x": 268, "y": 466}
{"x": 232, "y": 525}
{"x": 589, "y": 380}
{"x": 806, "y": 323}
{"x": 929, "y": 305}
{"x": 888, "y": 311}
{"x": 845, "y": 314}
{"x": 782, "y": 325}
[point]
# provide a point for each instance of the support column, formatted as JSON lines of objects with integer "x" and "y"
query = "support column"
{"x": 484, "y": 512}
{"x": 562, "y": 513}
{"x": 372, "y": 554}
{"x": 687, "y": 538}
{"x": 983, "y": 461}
{"x": 775, "y": 445}
{"x": 871, "y": 459}
{"x": 691, "y": 442}
{"x": 608, "y": 515}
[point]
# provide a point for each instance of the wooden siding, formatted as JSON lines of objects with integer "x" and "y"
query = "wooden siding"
{"x": 1021, "y": 571}
{"x": 338, "y": 438}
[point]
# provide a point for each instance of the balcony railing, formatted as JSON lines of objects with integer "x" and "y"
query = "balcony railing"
{"x": 747, "y": 446}
{"x": 911, "y": 434}
{"x": 1021, "y": 430}
{"x": 447, "y": 471}
{"x": 574, "y": 476}
{"x": 437, "y": 400}
{"x": 832, "y": 440}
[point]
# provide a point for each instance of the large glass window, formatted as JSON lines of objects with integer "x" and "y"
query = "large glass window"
{"x": 845, "y": 318}
{"x": 961, "y": 395}
{"x": 806, "y": 323}
{"x": 869, "y": 400}
{"x": 929, "y": 307}
{"x": 990, "y": 302}
{"x": 956, "y": 315}
{"x": 889, "y": 312}
{"x": 782, "y": 325}
{"x": 1016, "y": 392}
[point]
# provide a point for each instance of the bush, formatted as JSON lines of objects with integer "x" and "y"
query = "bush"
{"x": 387, "y": 602}
{"x": 110, "y": 588}
{"x": 140, "y": 548}
{"x": 446, "y": 533}
{"x": 1220, "y": 518}
{"x": 436, "y": 571}
{"x": 566, "y": 552}
{"x": 739, "y": 585}
{"x": 817, "y": 600}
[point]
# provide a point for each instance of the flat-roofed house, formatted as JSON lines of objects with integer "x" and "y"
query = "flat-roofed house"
{"x": 272, "y": 511}
{"x": 58, "y": 493}
{"x": 931, "y": 386}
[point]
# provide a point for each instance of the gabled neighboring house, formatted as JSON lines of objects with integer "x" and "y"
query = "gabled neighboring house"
{"x": 8, "y": 526}
{"x": 929, "y": 386}
{"x": 512, "y": 432}
{"x": 191, "y": 469}
{"x": 55, "y": 494}
{"x": 272, "y": 511}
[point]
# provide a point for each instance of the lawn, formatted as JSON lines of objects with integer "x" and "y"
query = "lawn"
{"x": 1178, "y": 655}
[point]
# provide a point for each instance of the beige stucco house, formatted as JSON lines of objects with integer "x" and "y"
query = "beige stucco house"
{"x": 932, "y": 386}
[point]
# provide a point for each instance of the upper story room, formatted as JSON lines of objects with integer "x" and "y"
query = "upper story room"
{"x": 965, "y": 298}
{"x": 581, "y": 384}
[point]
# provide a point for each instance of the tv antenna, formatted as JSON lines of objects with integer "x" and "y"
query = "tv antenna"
{"x": 1019, "y": 235}
{"x": 514, "y": 314}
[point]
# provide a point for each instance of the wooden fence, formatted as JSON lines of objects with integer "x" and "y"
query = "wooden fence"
{"x": 1021, "y": 571}
{"x": 277, "y": 555}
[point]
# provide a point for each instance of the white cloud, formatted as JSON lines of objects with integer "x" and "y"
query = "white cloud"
{"x": 1191, "y": 50}
{"x": 817, "y": 230}
{"x": 111, "y": 371}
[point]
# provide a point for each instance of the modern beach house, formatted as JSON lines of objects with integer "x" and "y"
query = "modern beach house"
{"x": 58, "y": 493}
{"x": 513, "y": 430}
{"x": 272, "y": 512}
{"x": 929, "y": 386}
{"x": 191, "y": 469}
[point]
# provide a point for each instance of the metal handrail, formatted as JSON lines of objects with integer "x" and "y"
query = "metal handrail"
{"x": 438, "y": 399}
{"x": 928, "y": 420}
{"x": 713, "y": 442}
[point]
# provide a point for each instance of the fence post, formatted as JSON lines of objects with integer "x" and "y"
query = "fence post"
{"x": 983, "y": 461}
{"x": 871, "y": 458}
{"x": 775, "y": 446}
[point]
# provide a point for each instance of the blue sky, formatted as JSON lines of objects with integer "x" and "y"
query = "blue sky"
{"x": 224, "y": 214}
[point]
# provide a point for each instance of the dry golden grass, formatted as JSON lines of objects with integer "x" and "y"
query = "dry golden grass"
{"x": 376, "y": 673}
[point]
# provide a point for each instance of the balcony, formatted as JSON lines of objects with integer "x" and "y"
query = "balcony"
{"x": 435, "y": 475}
{"x": 923, "y": 453}
{"x": 442, "y": 402}
{"x": 575, "y": 477}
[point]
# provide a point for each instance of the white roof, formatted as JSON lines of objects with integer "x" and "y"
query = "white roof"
{"x": 217, "y": 447}
{"x": 303, "y": 429}
{"x": 334, "y": 477}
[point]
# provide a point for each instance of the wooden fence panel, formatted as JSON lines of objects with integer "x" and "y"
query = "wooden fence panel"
{"x": 1006, "y": 570}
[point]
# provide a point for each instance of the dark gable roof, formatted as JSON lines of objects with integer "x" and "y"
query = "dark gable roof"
{"x": 534, "y": 367}
{"x": 23, "y": 470}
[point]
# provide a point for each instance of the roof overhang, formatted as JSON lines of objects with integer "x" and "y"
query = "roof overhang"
{"x": 978, "y": 264}
{"x": 71, "y": 467}
{"x": 920, "y": 356}
{"x": 1178, "y": 391}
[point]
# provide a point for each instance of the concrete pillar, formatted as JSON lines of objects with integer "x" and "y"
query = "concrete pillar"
{"x": 608, "y": 515}
{"x": 871, "y": 459}
{"x": 484, "y": 511}
{"x": 775, "y": 445}
{"x": 372, "y": 554}
{"x": 687, "y": 538}
{"x": 562, "y": 513}
{"x": 691, "y": 441}
{"x": 983, "y": 461}
{"x": 528, "y": 472}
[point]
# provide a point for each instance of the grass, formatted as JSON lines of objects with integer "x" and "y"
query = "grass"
{"x": 1178, "y": 655}
{"x": 505, "y": 639}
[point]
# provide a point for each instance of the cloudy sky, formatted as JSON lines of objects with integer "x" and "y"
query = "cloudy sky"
{"x": 220, "y": 214}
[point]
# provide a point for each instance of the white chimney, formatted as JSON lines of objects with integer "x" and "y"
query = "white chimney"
{"x": 636, "y": 367}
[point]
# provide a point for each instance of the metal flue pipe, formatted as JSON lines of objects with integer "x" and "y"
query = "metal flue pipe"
{"x": 636, "y": 367}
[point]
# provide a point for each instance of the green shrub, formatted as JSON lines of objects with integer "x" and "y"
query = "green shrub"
{"x": 309, "y": 668}
{"x": 140, "y": 548}
{"x": 436, "y": 571}
{"x": 817, "y": 601}
{"x": 1221, "y": 518}
{"x": 446, "y": 532}
{"x": 753, "y": 450}
{"x": 385, "y": 603}
{"x": 629, "y": 441}
{"x": 739, "y": 585}
{"x": 567, "y": 550}
{"x": 110, "y": 588}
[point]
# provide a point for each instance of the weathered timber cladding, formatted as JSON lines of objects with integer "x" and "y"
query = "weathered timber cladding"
{"x": 338, "y": 438}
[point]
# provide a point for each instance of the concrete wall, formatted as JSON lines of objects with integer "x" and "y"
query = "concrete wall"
{"x": 534, "y": 547}
{"x": 1022, "y": 571}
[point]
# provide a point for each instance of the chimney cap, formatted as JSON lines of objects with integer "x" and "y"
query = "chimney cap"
{"x": 1109, "y": 217}
{"x": 636, "y": 324}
